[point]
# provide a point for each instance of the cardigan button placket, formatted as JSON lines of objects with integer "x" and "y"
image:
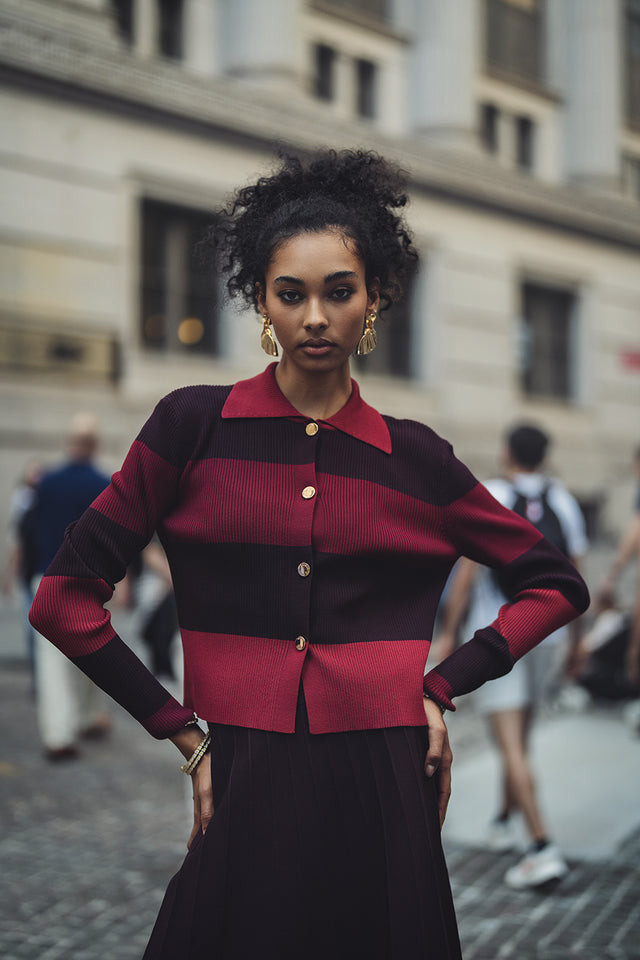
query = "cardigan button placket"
{"x": 304, "y": 455}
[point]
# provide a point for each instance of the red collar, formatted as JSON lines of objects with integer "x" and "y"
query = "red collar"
{"x": 261, "y": 397}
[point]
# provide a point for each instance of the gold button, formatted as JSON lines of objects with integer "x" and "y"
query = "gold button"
{"x": 300, "y": 643}
{"x": 311, "y": 429}
{"x": 304, "y": 569}
{"x": 309, "y": 492}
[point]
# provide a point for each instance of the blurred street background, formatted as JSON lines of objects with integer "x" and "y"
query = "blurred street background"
{"x": 88, "y": 847}
{"x": 125, "y": 123}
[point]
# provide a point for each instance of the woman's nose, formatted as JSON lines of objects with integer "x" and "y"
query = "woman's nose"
{"x": 315, "y": 318}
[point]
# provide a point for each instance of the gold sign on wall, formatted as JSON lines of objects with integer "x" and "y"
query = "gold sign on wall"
{"x": 59, "y": 351}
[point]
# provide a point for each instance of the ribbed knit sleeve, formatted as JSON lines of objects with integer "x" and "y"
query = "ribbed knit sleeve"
{"x": 69, "y": 605}
{"x": 544, "y": 589}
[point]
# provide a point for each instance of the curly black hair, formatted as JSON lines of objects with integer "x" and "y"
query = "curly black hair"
{"x": 356, "y": 191}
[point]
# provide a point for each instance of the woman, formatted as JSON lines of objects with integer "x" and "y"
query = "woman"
{"x": 309, "y": 539}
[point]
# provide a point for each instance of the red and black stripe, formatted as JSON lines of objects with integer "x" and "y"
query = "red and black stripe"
{"x": 379, "y": 535}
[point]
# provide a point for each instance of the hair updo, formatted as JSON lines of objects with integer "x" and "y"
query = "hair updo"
{"x": 356, "y": 191}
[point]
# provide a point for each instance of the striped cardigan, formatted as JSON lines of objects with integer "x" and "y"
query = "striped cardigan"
{"x": 300, "y": 552}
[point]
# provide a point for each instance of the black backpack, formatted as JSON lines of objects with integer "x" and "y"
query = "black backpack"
{"x": 538, "y": 512}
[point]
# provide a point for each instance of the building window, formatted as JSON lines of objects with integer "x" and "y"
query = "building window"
{"x": 170, "y": 28}
{"x": 525, "y": 130}
{"x": 546, "y": 341}
{"x": 325, "y": 61}
{"x": 514, "y": 38}
{"x": 123, "y": 16}
{"x": 489, "y": 119}
{"x": 169, "y": 24}
{"x": 366, "y": 76}
{"x": 394, "y": 328}
{"x": 178, "y": 294}
{"x": 632, "y": 63}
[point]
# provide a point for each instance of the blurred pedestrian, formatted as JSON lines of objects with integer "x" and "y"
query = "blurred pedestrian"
{"x": 510, "y": 702}
{"x": 628, "y": 551}
{"x": 69, "y": 705}
{"x": 156, "y": 615}
{"x": 605, "y": 652}
{"x": 309, "y": 538}
{"x": 21, "y": 557}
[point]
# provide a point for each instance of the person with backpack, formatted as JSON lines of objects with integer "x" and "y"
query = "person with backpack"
{"x": 510, "y": 702}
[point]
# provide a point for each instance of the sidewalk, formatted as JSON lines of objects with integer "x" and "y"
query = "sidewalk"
{"x": 589, "y": 771}
{"x": 88, "y": 847}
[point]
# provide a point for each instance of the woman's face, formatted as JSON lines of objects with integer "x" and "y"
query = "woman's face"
{"x": 316, "y": 295}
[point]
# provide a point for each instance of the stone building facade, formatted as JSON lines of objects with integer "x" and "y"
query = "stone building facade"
{"x": 126, "y": 121}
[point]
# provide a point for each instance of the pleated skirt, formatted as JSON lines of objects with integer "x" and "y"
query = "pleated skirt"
{"x": 321, "y": 847}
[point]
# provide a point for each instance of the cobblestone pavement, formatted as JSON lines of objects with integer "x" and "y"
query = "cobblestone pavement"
{"x": 87, "y": 848}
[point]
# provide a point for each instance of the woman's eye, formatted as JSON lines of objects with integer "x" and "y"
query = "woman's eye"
{"x": 342, "y": 293}
{"x": 290, "y": 296}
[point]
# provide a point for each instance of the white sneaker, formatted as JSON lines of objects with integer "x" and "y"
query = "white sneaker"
{"x": 500, "y": 836}
{"x": 537, "y": 867}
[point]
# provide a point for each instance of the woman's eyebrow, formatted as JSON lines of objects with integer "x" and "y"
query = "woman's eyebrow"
{"x": 340, "y": 275}
{"x": 330, "y": 278}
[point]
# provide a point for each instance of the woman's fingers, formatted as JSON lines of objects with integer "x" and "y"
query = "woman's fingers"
{"x": 205, "y": 791}
{"x": 437, "y": 736}
{"x": 439, "y": 756}
{"x": 444, "y": 782}
{"x": 202, "y": 797}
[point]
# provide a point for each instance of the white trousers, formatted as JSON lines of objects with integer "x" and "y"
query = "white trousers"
{"x": 67, "y": 701}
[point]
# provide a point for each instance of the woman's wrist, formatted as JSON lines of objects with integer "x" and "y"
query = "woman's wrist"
{"x": 188, "y": 738}
{"x": 441, "y": 708}
{"x": 190, "y": 766}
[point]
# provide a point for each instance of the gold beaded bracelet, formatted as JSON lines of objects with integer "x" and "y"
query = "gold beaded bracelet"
{"x": 439, "y": 705}
{"x": 197, "y": 755}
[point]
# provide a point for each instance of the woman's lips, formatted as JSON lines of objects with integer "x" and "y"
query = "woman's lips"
{"x": 317, "y": 347}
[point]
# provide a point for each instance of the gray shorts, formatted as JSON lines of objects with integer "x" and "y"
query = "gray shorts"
{"x": 531, "y": 683}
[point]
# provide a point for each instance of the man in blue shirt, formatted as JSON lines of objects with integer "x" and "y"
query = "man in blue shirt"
{"x": 68, "y": 703}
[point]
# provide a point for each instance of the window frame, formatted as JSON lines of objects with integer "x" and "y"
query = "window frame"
{"x": 366, "y": 88}
{"x": 176, "y": 286}
{"x": 514, "y": 42}
{"x": 568, "y": 392}
{"x": 325, "y": 58}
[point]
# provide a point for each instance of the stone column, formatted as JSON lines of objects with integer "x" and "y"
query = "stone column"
{"x": 145, "y": 28}
{"x": 445, "y": 53}
{"x": 592, "y": 93}
{"x": 201, "y": 36}
{"x": 262, "y": 41}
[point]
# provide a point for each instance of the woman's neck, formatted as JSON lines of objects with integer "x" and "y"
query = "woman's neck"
{"x": 317, "y": 395}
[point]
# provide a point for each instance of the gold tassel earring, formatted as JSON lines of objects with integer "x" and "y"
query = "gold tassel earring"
{"x": 267, "y": 341}
{"x": 368, "y": 340}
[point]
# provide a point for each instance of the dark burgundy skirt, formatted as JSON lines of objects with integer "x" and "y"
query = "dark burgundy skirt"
{"x": 321, "y": 847}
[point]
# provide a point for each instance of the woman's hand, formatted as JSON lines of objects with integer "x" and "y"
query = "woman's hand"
{"x": 186, "y": 740}
{"x": 202, "y": 797}
{"x": 439, "y": 756}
